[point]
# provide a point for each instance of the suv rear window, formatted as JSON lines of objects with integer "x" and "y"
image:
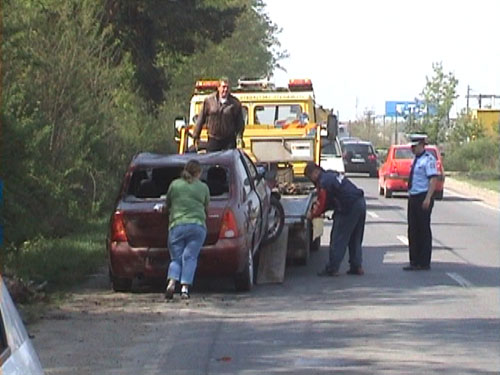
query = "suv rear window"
{"x": 359, "y": 148}
{"x": 154, "y": 182}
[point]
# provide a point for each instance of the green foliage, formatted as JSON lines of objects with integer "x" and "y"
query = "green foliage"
{"x": 465, "y": 129}
{"x": 479, "y": 157}
{"x": 60, "y": 262}
{"x": 147, "y": 28}
{"x": 440, "y": 93}
{"x": 80, "y": 79}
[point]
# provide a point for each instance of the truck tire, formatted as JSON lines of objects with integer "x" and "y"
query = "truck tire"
{"x": 302, "y": 261}
{"x": 275, "y": 221}
{"x": 243, "y": 281}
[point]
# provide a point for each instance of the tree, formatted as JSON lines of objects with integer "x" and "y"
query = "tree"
{"x": 149, "y": 28}
{"x": 439, "y": 94}
{"x": 465, "y": 129}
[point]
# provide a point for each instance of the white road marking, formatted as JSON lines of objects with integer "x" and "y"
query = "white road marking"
{"x": 460, "y": 280}
{"x": 372, "y": 214}
{"x": 403, "y": 239}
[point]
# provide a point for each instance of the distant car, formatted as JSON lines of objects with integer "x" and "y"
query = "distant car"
{"x": 395, "y": 171}
{"x": 360, "y": 157}
{"x": 242, "y": 214}
{"x": 17, "y": 354}
{"x": 331, "y": 155}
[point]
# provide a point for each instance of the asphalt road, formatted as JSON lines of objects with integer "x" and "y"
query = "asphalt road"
{"x": 442, "y": 321}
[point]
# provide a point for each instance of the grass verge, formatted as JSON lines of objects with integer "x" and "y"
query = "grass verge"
{"x": 61, "y": 262}
{"x": 488, "y": 183}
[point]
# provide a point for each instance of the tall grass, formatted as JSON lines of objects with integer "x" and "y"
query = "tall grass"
{"x": 61, "y": 262}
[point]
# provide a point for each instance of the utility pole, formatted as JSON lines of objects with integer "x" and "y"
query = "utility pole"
{"x": 468, "y": 93}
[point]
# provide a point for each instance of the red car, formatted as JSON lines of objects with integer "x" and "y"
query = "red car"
{"x": 242, "y": 214}
{"x": 394, "y": 172}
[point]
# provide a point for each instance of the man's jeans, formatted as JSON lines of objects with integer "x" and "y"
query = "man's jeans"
{"x": 184, "y": 244}
{"x": 348, "y": 230}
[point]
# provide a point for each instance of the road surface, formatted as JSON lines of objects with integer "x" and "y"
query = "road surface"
{"x": 443, "y": 321}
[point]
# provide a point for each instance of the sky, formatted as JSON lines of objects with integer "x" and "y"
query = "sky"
{"x": 361, "y": 53}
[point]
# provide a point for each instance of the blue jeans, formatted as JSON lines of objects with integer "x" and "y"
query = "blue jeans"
{"x": 184, "y": 244}
{"x": 348, "y": 230}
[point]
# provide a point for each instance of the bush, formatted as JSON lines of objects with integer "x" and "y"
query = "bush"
{"x": 480, "y": 157}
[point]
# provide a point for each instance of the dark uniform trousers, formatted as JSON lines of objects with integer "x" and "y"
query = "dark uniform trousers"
{"x": 215, "y": 144}
{"x": 419, "y": 230}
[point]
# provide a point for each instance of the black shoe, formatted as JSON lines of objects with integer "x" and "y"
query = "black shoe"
{"x": 424, "y": 268}
{"x": 327, "y": 272}
{"x": 411, "y": 267}
{"x": 356, "y": 271}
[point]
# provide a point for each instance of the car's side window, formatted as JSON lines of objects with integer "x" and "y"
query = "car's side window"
{"x": 4, "y": 347}
{"x": 243, "y": 175}
{"x": 252, "y": 171}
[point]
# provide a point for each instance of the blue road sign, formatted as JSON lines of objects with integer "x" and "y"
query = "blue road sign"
{"x": 415, "y": 108}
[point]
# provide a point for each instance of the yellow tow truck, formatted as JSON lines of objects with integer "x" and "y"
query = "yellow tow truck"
{"x": 281, "y": 131}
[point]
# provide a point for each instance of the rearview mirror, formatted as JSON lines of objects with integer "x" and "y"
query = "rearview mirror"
{"x": 332, "y": 127}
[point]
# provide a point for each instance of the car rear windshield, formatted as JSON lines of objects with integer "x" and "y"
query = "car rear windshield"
{"x": 153, "y": 182}
{"x": 358, "y": 148}
{"x": 405, "y": 153}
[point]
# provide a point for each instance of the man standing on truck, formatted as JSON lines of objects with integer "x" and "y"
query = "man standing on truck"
{"x": 223, "y": 116}
{"x": 337, "y": 192}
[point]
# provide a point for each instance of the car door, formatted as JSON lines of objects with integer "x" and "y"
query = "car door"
{"x": 251, "y": 199}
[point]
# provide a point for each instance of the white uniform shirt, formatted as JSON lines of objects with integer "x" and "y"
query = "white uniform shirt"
{"x": 425, "y": 168}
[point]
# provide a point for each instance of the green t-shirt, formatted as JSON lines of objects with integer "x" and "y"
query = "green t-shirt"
{"x": 186, "y": 202}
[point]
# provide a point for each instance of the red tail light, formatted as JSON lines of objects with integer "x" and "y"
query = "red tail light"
{"x": 229, "y": 227}
{"x": 372, "y": 157}
{"x": 118, "y": 233}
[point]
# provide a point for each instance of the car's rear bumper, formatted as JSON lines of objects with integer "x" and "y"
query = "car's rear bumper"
{"x": 400, "y": 183}
{"x": 226, "y": 258}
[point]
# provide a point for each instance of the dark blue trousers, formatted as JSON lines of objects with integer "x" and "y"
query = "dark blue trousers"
{"x": 419, "y": 231}
{"x": 348, "y": 230}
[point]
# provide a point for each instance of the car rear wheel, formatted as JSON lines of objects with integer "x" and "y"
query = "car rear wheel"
{"x": 380, "y": 190}
{"x": 438, "y": 195}
{"x": 275, "y": 221}
{"x": 120, "y": 284}
{"x": 244, "y": 280}
{"x": 387, "y": 192}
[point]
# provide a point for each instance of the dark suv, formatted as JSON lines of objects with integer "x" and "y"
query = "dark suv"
{"x": 360, "y": 156}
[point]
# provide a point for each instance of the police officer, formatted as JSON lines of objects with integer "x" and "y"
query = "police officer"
{"x": 348, "y": 203}
{"x": 421, "y": 185}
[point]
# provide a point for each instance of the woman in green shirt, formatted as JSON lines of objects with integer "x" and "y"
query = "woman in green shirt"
{"x": 187, "y": 204}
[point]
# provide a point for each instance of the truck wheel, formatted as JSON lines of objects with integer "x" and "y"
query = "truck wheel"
{"x": 243, "y": 281}
{"x": 275, "y": 221}
{"x": 120, "y": 284}
{"x": 302, "y": 261}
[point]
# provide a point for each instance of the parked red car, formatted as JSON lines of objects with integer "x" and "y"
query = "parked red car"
{"x": 394, "y": 172}
{"x": 242, "y": 214}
